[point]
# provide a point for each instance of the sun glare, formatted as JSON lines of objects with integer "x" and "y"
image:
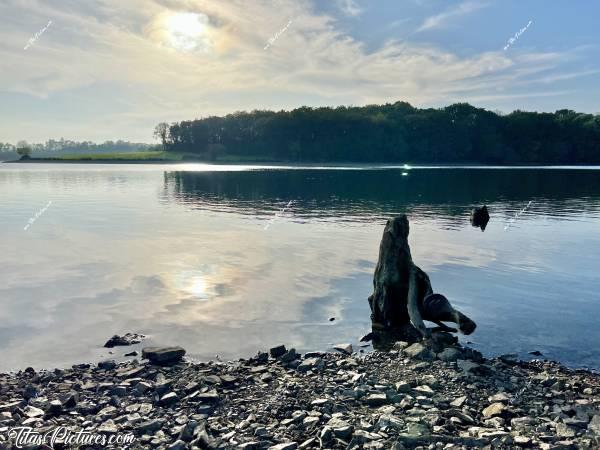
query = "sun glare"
{"x": 187, "y": 31}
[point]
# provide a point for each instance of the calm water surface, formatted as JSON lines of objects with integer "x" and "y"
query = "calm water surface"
{"x": 210, "y": 257}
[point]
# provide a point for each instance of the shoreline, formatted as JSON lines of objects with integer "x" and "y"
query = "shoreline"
{"x": 441, "y": 394}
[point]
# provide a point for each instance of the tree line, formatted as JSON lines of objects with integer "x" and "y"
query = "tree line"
{"x": 399, "y": 132}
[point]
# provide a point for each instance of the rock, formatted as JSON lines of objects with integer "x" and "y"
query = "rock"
{"x": 563, "y": 430}
{"x": 480, "y": 217}
{"x": 289, "y": 356}
{"x": 285, "y": 446}
{"x": 495, "y": 409}
{"x": 375, "y": 399}
{"x": 30, "y": 392}
{"x": 418, "y": 429}
{"x": 278, "y": 351}
{"x": 449, "y": 354}
{"x": 32, "y": 411}
{"x": 340, "y": 428}
{"x": 107, "y": 365}
{"x": 501, "y": 397}
{"x": 177, "y": 445}
{"x": 169, "y": 399}
{"x": 55, "y": 407}
{"x": 309, "y": 364}
{"x": 403, "y": 386}
{"x": 459, "y": 401}
{"x": 536, "y": 353}
{"x": 126, "y": 339}
{"x": 163, "y": 355}
{"x": 419, "y": 351}
{"x": 594, "y": 425}
{"x": 466, "y": 365}
{"x": 208, "y": 397}
{"x": 150, "y": 426}
{"x": 343, "y": 348}
{"x": 133, "y": 353}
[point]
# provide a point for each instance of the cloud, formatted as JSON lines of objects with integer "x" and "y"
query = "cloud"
{"x": 106, "y": 71}
{"x": 349, "y": 7}
{"x": 442, "y": 20}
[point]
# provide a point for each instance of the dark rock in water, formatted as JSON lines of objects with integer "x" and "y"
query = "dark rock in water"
{"x": 480, "y": 217}
{"x": 331, "y": 319}
{"x": 278, "y": 351}
{"x": 126, "y": 339}
{"x": 163, "y": 355}
{"x": 367, "y": 337}
{"x": 134, "y": 353}
{"x": 536, "y": 353}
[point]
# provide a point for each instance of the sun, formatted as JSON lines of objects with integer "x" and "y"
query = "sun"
{"x": 187, "y": 31}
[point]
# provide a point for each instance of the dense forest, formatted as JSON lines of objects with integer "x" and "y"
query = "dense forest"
{"x": 398, "y": 132}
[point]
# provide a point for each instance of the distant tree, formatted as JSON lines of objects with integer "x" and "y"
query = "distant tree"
{"x": 160, "y": 132}
{"x": 24, "y": 152}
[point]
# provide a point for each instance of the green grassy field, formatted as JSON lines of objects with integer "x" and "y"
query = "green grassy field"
{"x": 123, "y": 156}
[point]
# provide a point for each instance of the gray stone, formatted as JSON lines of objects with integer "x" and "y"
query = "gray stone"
{"x": 177, "y": 445}
{"x": 169, "y": 399}
{"x": 309, "y": 364}
{"x": 594, "y": 425}
{"x": 449, "y": 354}
{"x": 375, "y": 399}
{"x": 278, "y": 351}
{"x": 344, "y": 348}
{"x": 495, "y": 409}
{"x": 419, "y": 351}
{"x": 163, "y": 355}
{"x": 284, "y": 446}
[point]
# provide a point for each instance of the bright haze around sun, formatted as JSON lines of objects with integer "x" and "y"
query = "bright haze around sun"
{"x": 113, "y": 69}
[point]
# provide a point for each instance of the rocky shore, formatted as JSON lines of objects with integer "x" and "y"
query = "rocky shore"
{"x": 414, "y": 396}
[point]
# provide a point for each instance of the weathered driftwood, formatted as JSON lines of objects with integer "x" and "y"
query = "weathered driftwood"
{"x": 400, "y": 288}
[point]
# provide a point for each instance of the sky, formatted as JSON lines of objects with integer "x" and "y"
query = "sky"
{"x": 112, "y": 69}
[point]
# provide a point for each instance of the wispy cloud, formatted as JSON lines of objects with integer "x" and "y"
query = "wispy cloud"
{"x": 111, "y": 56}
{"x": 349, "y": 7}
{"x": 443, "y": 19}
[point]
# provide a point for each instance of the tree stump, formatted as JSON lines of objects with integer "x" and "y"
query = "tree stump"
{"x": 394, "y": 274}
{"x": 400, "y": 288}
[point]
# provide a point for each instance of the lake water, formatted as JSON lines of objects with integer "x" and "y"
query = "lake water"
{"x": 217, "y": 259}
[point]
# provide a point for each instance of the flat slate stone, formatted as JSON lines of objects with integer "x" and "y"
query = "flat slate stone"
{"x": 163, "y": 355}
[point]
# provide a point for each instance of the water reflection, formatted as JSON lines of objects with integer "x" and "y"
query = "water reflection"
{"x": 375, "y": 195}
{"x": 185, "y": 257}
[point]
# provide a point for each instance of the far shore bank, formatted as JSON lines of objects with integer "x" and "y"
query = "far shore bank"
{"x": 399, "y": 165}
